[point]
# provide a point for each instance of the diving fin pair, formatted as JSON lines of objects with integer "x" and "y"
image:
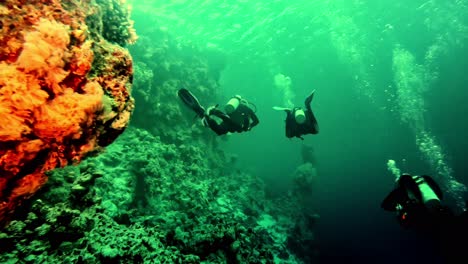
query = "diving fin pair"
{"x": 191, "y": 101}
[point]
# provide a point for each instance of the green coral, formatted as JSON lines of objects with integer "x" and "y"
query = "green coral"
{"x": 116, "y": 25}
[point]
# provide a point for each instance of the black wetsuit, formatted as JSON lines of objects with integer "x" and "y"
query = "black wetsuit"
{"x": 242, "y": 119}
{"x": 310, "y": 126}
{"x": 433, "y": 219}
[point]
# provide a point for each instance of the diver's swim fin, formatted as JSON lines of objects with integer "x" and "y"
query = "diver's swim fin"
{"x": 309, "y": 98}
{"x": 191, "y": 101}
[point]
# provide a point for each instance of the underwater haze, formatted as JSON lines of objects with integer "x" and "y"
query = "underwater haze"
{"x": 390, "y": 84}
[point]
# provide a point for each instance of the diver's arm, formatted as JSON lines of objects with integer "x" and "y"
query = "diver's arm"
{"x": 254, "y": 118}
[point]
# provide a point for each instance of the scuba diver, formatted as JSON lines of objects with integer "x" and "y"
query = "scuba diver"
{"x": 417, "y": 202}
{"x": 300, "y": 121}
{"x": 238, "y": 116}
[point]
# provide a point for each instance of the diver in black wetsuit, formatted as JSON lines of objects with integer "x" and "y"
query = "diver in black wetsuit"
{"x": 239, "y": 116}
{"x": 416, "y": 200}
{"x": 300, "y": 121}
{"x": 417, "y": 203}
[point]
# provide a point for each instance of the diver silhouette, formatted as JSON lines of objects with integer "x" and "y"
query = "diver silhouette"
{"x": 238, "y": 116}
{"x": 300, "y": 121}
{"x": 417, "y": 202}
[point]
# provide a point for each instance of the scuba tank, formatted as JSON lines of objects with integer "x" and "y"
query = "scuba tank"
{"x": 421, "y": 189}
{"x": 299, "y": 116}
{"x": 232, "y": 104}
{"x": 416, "y": 201}
{"x": 428, "y": 192}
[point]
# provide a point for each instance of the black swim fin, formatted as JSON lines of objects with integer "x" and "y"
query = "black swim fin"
{"x": 312, "y": 119}
{"x": 191, "y": 101}
{"x": 308, "y": 100}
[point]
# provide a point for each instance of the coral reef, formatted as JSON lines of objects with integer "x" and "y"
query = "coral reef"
{"x": 145, "y": 201}
{"x": 164, "y": 64}
{"x": 64, "y": 90}
{"x": 163, "y": 192}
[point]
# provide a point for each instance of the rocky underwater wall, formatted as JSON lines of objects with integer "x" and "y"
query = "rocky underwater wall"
{"x": 64, "y": 88}
{"x": 164, "y": 191}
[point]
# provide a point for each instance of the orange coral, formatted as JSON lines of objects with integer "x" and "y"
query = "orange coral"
{"x": 45, "y": 51}
{"x": 19, "y": 94}
{"x": 63, "y": 117}
{"x": 53, "y": 111}
{"x": 82, "y": 59}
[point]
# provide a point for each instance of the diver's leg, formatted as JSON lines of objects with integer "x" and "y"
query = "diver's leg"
{"x": 312, "y": 122}
{"x": 308, "y": 100}
{"x": 191, "y": 101}
{"x": 219, "y": 129}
